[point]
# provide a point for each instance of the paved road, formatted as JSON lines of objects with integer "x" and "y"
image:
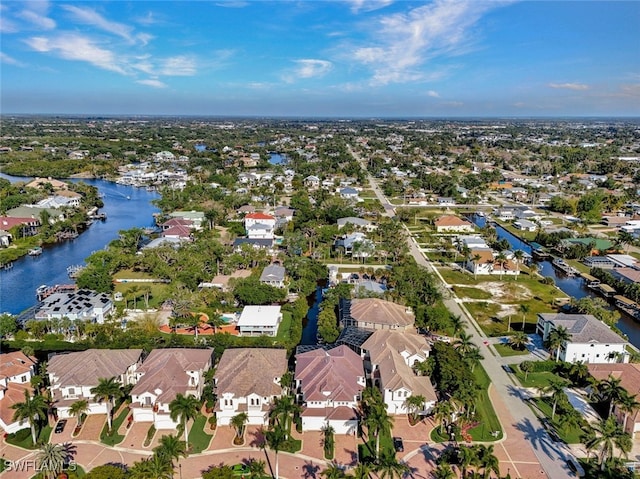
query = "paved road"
{"x": 524, "y": 433}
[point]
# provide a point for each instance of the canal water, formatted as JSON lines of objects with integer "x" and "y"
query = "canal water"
{"x": 572, "y": 286}
{"x": 310, "y": 323}
{"x": 125, "y": 206}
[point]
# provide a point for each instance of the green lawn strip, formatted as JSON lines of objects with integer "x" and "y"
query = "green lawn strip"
{"x": 158, "y": 290}
{"x": 22, "y": 438}
{"x": 198, "y": 439}
{"x": 485, "y": 413}
{"x": 367, "y": 451}
{"x": 471, "y": 293}
{"x": 114, "y": 438}
{"x": 150, "y": 433}
{"x": 284, "y": 328}
{"x": 570, "y": 435}
{"x": 505, "y": 350}
{"x": 457, "y": 277}
{"x": 534, "y": 379}
{"x": 525, "y": 235}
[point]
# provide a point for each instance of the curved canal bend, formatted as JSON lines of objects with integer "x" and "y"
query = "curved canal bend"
{"x": 126, "y": 207}
{"x": 572, "y": 286}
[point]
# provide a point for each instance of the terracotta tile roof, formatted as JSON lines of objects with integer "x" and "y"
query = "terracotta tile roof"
{"x": 15, "y": 364}
{"x": 329, "y": 375}
{"x": 485, "y": 256}
{"x": 628, "y": 373}
{"x": 84, "y": 368}
{"x": 450, "y": 220}
{"x": 8, "y": 222}
{"x": 340, "y": 413}
{"x": 13, "y": 394}
{"x": 379, "y": 311}
{"x": 251, "y": 370}
{"x": 259, "y": 216}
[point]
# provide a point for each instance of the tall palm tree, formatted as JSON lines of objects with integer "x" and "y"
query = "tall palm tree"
{"x": 52, "y": 457}
{"x": 378, "y": 422}
{"x": 362, "y": 470}
{"x": 524, "y": 309}
{"x": 557, "y": 337}
{"x": 171, "y": 448}
{"x": 555, "y": 389}
{"x": 184, "y": 408}
{"x": 78, "y": 409}
{"x": 276, "y": 438}
{"x": 256, "y": 468}
{"x": 154, "y": 467}
{"x": 414, "y": 404}
{"x": 464, "y": 343}
{"x": 518, "y": 255}
{"x": 476, "y": 257}
{"x": 526, "y": 367}
{"x": 518, "y": 340}
{"x": 500, "y": 260}
{"x": 238, "y": 422}
{"x": 467, "y": 456}
{"x": 610, "y": 391}
{"x": 33, "y": 409}
{"x": 487, "y": 460}
{"x": 606, "y": 433}
{"x": 388, "y": 467}
{"x": 107, "y": 390}
{"x": 334, "y": 471}
{"x": 283, "y": 410}
{"x": 443, "y": 411}
{"x": 458, "y": 324}
{"x": 328, "y": 439}
{"x": 443, "y": 471}
{"x": 627, "y": 404}
{"x": 473, "y": 357}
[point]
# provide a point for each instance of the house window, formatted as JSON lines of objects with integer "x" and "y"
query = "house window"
{"x": 24, "y": 379}
{"x": 147, "y": 401}
{"x": 72, "y": 391}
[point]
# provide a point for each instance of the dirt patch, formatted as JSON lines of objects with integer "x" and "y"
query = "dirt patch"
{"x": 506, "y": 292}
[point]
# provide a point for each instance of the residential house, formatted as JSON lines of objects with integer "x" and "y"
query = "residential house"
{"x": 259, "y": 320}
{"x": 356, "y": 245}
{"x": 591, "y": 340}
{"x": 259, "y": 225}
{"x": 16, "y": 371}
{"x": 349, "y": 193}
{"x": 375, "y": 313}
{"x": 453, "y": 224}
{"x": 27, "y": 226}
{"x": 221, "y": 281}
{"x": 283, "y": 216}
{"x": 73, "y": 375}
{"x": 446, "y": 201}
{"x": 164, "y": 374}
{"x": 196, "y": 218}
{"x": 311, "y": 181}
{"x": 179, "y": 232}
{"x": 389, "y": 360}
{"x": 360, "y": 223}
{"x": 484, "y": 261}
{"x": 5, "y": 238}
{"x": 40, "y": 183}
{"x": 329, "y": 385}
{"x": 248, "y": 380}
{"x": 273, "y": 275}
{"x": 629, "y": 376}
{"x": 82, "y": 304}
{"x": 525, "y": 225}
{"x": 504, "y": 214}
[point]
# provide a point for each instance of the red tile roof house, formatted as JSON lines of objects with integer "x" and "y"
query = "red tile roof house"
{"x": 73, "y": 375}
{"x": 178, "y": 232}
{"x": 453, "y": 224}
{"x": 259, "y": 225}
{"x": 329, "y": 384}
{"x": 374, "y": 313}
{"x": 28, "y": 226}
{"x": 16, "y": 371}
{"x": 243, "y": 388}
{"x": 164, "y": 374}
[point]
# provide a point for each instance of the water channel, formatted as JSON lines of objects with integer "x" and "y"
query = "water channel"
{"x": 572, "y": 286}
{"x": 126, "y": 207}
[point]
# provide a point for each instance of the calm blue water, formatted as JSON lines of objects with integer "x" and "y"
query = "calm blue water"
{"x": 310, "y": 324}
{"x": 573, "y": 286}
{"x": 18, "y": 285}
{"x": 276, "y": 159}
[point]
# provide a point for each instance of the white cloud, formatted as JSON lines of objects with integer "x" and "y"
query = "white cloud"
{"x": 178, "y": 66}
{"x": 91, "y": 17}
{"x": 403, "y": 43}
{"x": 155, "y": 83}
{"x": 569, "y": 86}
{"x": 4, "y": 58}
{"x": 433, "y": 94}
{"x": 368, "y": 5}
{"x": 40, "y": 21}
{"x": 233, "y": 4}
{"x": 310, "y": 68}
{"x": 77, "y": 47}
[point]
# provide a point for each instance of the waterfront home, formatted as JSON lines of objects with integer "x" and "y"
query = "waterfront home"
{"x": 525, "y": 225}
{"x": 82, "y": 304}
{"x": 591, "y": 340}
{"x": 483, "y": 261}
{"x": 16, "y": 371}
{"x": 259, "y": 320}
{"x": 329, "y": 385}
{"x": 629, "y": 376}
{"x": 164, "y": 374}
{"x": 273, "y": 275}
{"x": 248, "y": 380}
{"x": 73, "y": 375}
{"x": 375, "y": 313}
{"x": 5, "y": 238}
{"x": 221, "y": 281}
{"x": 389, "y": 359}
{"x": 453, "y": 224}
{"x": 196, "y": 218}
{"x": 32, "y": 211}
{"x": 178, "y": 232}
{"x": 41, "y": 183}
{"x": 27, "y": 226}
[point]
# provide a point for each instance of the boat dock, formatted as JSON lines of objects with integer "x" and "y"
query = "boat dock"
{"x": 45, "y": 291}
{"x": 563, "y": 266}
{"x": 628, "y": 306}
{"x": 591, "y": 281}
{"x": 74, "y": 270}
{"x": 37, "y": 251}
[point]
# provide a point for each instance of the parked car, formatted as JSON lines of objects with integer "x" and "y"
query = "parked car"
{"x": 575, "y": 466}
{"x": 60, "y": 426}
{"x": 507, "y": 368}
{"x": 398, "y": 445}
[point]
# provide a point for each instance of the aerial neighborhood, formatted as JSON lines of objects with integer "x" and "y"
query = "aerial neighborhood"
{"x": 319, "y": 298}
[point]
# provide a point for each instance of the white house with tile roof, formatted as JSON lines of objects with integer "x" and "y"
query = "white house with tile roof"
{"x": 16, "y": 371}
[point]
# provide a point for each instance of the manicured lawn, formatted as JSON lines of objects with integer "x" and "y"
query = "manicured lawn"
{"x": 570, "y": 435}
{"x": 505, "y": 350}
{"x": 457, "y": 277}
{"x": 284, "y": 328}
{"x": 367, "y": 451}
{"x": 484, "y": 410}
{"x": 534, "y": 379}
{"x": 198, "y": 439}
{"x": 22, "y": 438}
{"x": 114, "y": 438}
{"x": 471, "y": 293}
{"x": 158, "y": 290}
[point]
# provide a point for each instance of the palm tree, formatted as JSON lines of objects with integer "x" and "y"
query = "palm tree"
{"x": 526, "y": 367}
{"x": 476, "y": 257}
{"x": 606, "y": 433}
{"x": 611, "y": 392}
{"x": 443, "y": 471}
{"x": 443, "y": 411}
{"x": 555, "y": 389}
{"x": 414, "y": 404}
{"x": 487, "y": 460}
{"x": 362, "y": 470}
{"x": 518, "y": 255}
{"x": 78, "y": 409}
{"x": 283, "y": 410}
{"x": 557, "y": 337}
{"x": 171, "y": 448}
{"x": 466, "y": 456}
{"x": 457, "y": 324}
{"x": 500, "y": 260}
{"x": 33, "y": 409}
{"x": 627, "y": 404}
{"x": 534, "y": 269}
{"x": 276, "y": 438}
{"x": 473, "y": 358}
{"x": 285, "y": 382}
{"x": 464, "y": 343}
{"x": 328, "y": 439}
{"x": 334, "y": 471}
{"x": 238, "y": 422}
{"x": 184, "y": 408}
{"x": 107, "y": 390}
{"x": 154, "y": 467}
{"x": 378, "y": 422}
{"x": 52, "y": 458}
{"x": 524, "y": 309}
{"x": 518, "y": 340}
{"x": 256, "y": 468}
{"x": 389, "y": 467}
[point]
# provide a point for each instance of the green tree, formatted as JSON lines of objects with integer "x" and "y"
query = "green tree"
{"x": 184, "y": 408}
{"x": 52, "y": 457}
{"x": 238, "y": 422}
{"x": 606, "y": 435}
{"x": 524, "y": 309}
{"x": 555, "y": 389}
{"x": 171, "y": 448}
{"x": 388, "y": 467}
{"x": 276, "y": 438}
{"x": 107, "y": 390}
{"x": 32, "y": 409}
{"x": 610, "y": 391}
{"x": 414, "y": 404}
{"x": 627, "y": 404}
{"x": 518, "y": 340}
{"x": 78, "y": 409}
{"x": 328, "y": 440}
{"x": 557, "y": 337}
{"x": 154, "y": 467}
{"x": 257, "y": 468}
{"x": 107, "y": 471}
{"x": 8, "y": 325}
{"x": 526, "y": 367}
{"x": 334, "y": 471}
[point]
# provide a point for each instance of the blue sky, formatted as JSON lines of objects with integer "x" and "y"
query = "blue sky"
{"x": 351, "y": 58}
